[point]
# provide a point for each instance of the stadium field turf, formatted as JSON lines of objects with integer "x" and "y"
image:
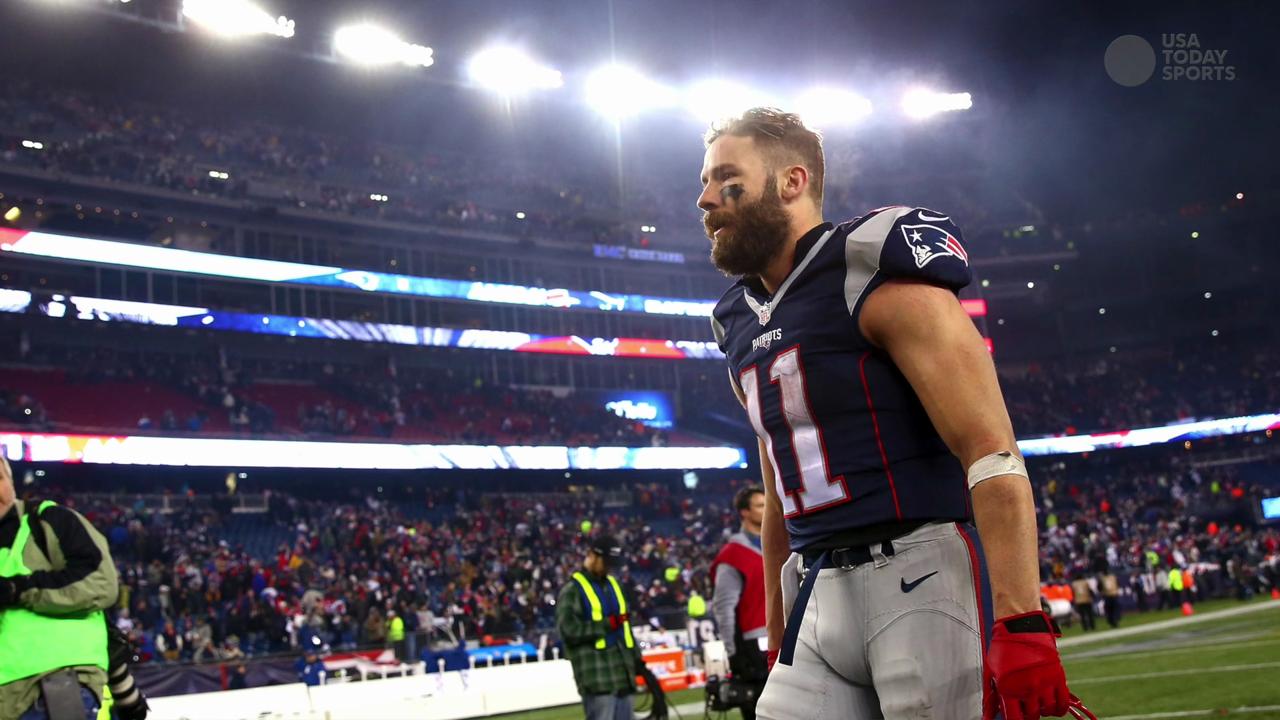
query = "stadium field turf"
{"x": 1225, "y": 666}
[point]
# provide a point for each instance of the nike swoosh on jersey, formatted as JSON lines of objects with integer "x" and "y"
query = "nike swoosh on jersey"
{"x": 931, "y": 218}
{"x": 909, "y": 586}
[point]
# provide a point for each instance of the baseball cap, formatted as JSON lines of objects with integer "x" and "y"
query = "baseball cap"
{"x": 607, "y": 547}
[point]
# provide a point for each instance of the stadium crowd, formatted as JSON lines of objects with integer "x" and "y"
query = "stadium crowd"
{"x": 202, "y": 583}
{"x": 1133, "y": 390}
{"x": 478, "y": 564}
{"x": 165, "y": 147}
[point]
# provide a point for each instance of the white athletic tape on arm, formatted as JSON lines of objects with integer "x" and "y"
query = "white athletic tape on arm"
{"x": 994, "y": 465}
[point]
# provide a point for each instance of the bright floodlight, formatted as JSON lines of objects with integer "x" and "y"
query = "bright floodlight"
{"x": 830, "y": 107}
{"x": 924, "y": 103}
{"x": 715, "y": 99}
{"x": 510, "y": 72}
{"x": 617, "y": 92}
{"x": 371, "y": 45}
{"x": 236, "y": 18}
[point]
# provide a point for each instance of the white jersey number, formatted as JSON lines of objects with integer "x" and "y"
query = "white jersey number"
{"x": 808, "y": 450}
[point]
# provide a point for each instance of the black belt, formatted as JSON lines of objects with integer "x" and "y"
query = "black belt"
{"x": 845, "y": 557}
{"x": 868, "y": 534}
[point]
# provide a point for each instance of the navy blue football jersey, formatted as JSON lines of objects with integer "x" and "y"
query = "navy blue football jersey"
{"x": 848, "y": 439}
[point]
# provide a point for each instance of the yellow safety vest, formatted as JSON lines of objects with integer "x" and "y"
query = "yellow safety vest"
{"x": 104, "y": 712}
{"x": 597, "y": 613}
{"x": 697, "y": 606}
{"x": 32, "y": 644}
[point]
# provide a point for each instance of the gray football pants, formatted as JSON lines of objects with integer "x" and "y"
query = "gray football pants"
{"x": 888, "y": 638}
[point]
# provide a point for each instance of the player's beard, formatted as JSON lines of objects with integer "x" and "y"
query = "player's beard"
{"x": 754, "y": 234}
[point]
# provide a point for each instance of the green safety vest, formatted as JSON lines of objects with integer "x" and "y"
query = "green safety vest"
{"x": 33, "y": 644}
{"x": 395, "y": 633}
{"x": 1175, "y": 579}
{"x": 597, "y": 613}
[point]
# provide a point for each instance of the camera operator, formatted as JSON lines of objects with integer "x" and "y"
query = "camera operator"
{"x": 56, "y": 578}
{"x": 738, "y": 601}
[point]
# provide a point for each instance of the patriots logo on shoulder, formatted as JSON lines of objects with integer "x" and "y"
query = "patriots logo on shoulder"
{"x": 930, "y": 241}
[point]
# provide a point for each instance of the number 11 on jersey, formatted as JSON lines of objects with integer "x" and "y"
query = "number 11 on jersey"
{"x": 817, "y": 488}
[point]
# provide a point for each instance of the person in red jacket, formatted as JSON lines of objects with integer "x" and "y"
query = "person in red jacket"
{"x": 738, "y": 601}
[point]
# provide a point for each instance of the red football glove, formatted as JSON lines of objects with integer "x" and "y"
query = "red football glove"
{"x": 1023, "y": 678}
{"x": 771, "y": 657}
{"x": 616, "y": 621}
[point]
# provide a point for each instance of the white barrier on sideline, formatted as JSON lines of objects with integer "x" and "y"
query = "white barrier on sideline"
{"x": 448, "y": 696}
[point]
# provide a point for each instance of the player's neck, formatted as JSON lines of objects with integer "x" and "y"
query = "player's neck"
{"x": 780, "y": 267}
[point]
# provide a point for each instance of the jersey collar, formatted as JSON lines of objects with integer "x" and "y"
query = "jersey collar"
{"x": 806, "y": 248}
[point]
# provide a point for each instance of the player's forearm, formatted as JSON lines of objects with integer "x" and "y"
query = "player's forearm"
{"x": 1004, "y": 510}
{"x": 775, "y": 546}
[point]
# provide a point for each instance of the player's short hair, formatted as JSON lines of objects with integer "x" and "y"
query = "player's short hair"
{"x": 742, "y": 498}
{"x": 784, "y": 138}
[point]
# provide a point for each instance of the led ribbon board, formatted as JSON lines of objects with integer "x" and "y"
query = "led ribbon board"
{"x": 104, "y": 310}
{"x": 212, "y": 452}
{"x": 68, "y": 247}
{"x": 1181, "y": 432}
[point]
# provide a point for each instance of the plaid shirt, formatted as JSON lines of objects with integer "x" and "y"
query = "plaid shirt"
{"x": 597, "y": 672}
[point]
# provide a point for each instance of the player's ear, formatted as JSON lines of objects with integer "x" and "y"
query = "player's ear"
{"x": 793, "y": 183}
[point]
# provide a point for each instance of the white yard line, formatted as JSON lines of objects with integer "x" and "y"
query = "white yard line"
{"x": 1174, "y": 673}
{"x": 1216, "y": 712}
{"x": 1166, "y": 624}
{"x": 1095, "y": 655}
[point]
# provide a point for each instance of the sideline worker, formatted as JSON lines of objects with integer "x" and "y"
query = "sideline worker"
{"x": 738, "y": 601}
{"x": 591, "y": 615}
{"x": 56, "y": 578}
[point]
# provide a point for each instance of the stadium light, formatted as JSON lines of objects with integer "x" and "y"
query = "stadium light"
{"x": 920, "y": 104}
{"x": 831, "y": 107}
{"x": 616, "y": 92}
{"x": 236, "y": 18}
{"x": 509, "y": 71}
{"x": 715, "y": 99}
{"x": 373, "y": 46}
